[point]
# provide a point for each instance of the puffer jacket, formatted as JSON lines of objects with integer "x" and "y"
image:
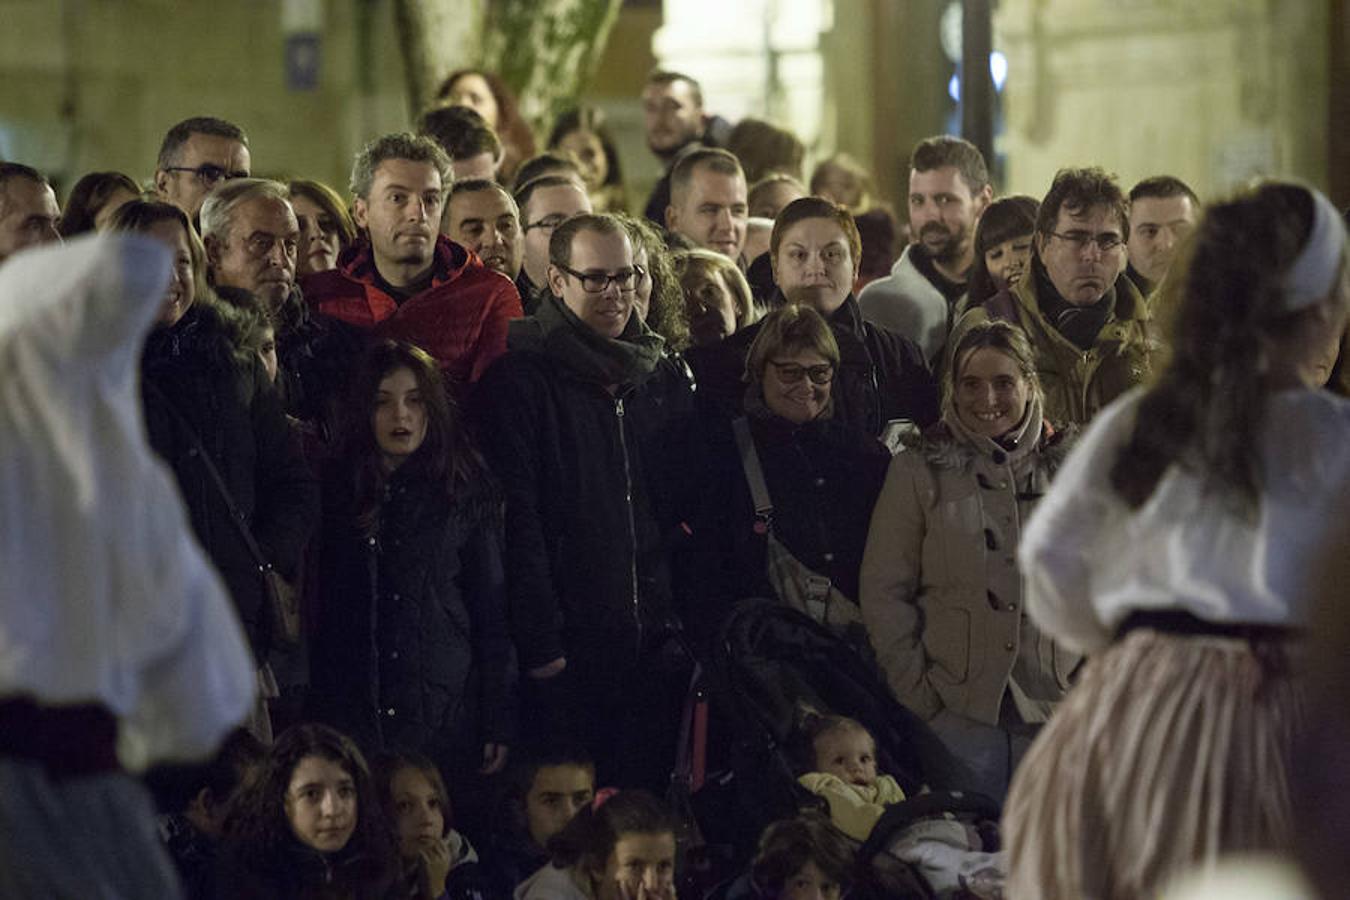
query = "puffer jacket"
{"x": 460, "y": 318}
{"x": 1078, "y": 384}
{"x": 193, "y": 370}
{"x": 941, "y": 591}
{"x": 412, "y": 648}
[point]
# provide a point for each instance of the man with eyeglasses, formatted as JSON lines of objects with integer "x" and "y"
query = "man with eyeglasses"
{"x": 1088, "y": 323}
{"x": 403, "y": 279}
{"x": 544, "y": 203}
{"x": 195, "y": 156}
{"x": 573, "y": 421}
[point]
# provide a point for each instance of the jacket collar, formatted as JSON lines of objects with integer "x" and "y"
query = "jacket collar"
{"x": 448, "y": 262}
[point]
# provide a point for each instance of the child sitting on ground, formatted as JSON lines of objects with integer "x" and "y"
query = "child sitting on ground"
{"x": 843, "y": 758}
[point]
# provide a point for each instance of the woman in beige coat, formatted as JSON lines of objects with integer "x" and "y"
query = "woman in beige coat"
{"x": 941, "y": 593}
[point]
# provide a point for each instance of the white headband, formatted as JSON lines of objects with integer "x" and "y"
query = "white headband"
{"x": 1310, "y": 279}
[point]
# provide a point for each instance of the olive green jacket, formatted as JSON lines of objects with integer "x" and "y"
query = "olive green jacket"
{"x": 1077, "y": 384}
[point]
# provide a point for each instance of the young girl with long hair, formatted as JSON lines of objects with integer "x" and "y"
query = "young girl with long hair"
{"x": 412, "y": 649}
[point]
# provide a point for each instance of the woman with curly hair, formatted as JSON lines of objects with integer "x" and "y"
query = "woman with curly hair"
{"x": 309, "y": 825}
{"x": 657, "y": 298}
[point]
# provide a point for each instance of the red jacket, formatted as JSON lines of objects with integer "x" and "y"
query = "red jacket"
{"x": 460, "y": 319}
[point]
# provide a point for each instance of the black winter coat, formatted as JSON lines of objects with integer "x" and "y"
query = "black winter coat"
{"x": 316, "y": 355}
{"x": 585, "y": 477}
{"x": 823, "y": 479}
{"x": 412, "y": 648}
{"x": 226, "y": 398}
{"x": 882, "y": 376}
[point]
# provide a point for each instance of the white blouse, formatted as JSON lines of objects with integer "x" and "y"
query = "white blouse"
{"x": 105, "y": 595}
{"x": 1090, "y": 560}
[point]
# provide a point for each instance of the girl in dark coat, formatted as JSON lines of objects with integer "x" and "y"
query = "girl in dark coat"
{"x": 308, "y": 826}
{"x": 412, "y": 648}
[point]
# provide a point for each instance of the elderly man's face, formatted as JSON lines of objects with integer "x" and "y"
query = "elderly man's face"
{"x": 259, "y": 252}
{"x": 28, "y": 215}
{"x": 1084, "y": 255}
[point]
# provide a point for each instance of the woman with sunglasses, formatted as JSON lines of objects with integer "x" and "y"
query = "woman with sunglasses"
{"x": 821, "y": 474}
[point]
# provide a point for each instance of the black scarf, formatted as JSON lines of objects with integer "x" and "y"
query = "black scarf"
{"x": 556, "y": 332}
{"x": 1079, "y": 324}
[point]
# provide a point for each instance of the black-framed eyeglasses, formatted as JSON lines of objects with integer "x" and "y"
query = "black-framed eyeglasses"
{"x": 1106, "y": 241}
{"x": 791, "y": 373}
{"x": 596, "y": 282}
{"x": 548, "y": 223}
{"x": 208, "y": 174}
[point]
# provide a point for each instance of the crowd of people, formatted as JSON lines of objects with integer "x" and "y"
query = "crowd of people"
{"x": 483, "y": 461}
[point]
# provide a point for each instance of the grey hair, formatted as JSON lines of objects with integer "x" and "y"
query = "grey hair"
{"x": 399, "y": 145}
{"x": 218, "y": 209}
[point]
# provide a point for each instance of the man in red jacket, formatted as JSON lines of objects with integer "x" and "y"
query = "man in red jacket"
{"x": 401, "y": 279}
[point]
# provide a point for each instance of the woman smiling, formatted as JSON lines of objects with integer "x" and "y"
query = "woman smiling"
{"x": 941, "y": 592}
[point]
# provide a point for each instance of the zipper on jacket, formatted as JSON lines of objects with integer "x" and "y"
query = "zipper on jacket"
{"x": 632, "y": 521}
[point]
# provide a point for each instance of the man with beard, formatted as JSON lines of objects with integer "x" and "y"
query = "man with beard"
{"x": 403, "y": 280}
{"x": 672, "y": 110}
{"x": 482, "y": 216}
{"x": 1087, "y": 322}
{"x": 948, "y": 190}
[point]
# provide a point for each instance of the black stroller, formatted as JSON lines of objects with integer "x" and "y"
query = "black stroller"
{"x": 767, "y": 661}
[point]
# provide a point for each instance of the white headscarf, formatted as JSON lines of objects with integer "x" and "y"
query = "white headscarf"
{"x": 1313, "y": 274}
{"x": 105, "y": 596}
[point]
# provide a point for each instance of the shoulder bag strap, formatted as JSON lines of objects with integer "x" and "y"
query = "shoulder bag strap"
{"x": 754, "y": 472}
{"x": 199, "y": 450}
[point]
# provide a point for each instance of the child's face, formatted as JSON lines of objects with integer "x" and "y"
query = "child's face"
{"x": 849, "y": 753}
{"x": 417, "y": 809}
{"x": 556, "y": 795}
{"x": 321, "y": 804}
{"x": 641, "y": 867}
{"x": 809, "y": 883}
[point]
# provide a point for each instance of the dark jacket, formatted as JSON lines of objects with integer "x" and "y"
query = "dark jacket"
{"x": 459, "y": 318}
{"x": 583, "y": 475}
{"x": 823, "y": 479}
{"x": 297, "y": 872}
{"x": 412, "y": 649}
{"x": 226, "y": 399}
{"x": 882, "y": 376}
{"x": 316, "y": 355}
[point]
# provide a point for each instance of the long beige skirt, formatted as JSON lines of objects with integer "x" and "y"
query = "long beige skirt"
{"x": 1171, "y": 751}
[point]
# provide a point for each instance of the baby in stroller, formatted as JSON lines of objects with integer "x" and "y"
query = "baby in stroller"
{"x": 844, "y": 757}
{"x": 947, "y": 851}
